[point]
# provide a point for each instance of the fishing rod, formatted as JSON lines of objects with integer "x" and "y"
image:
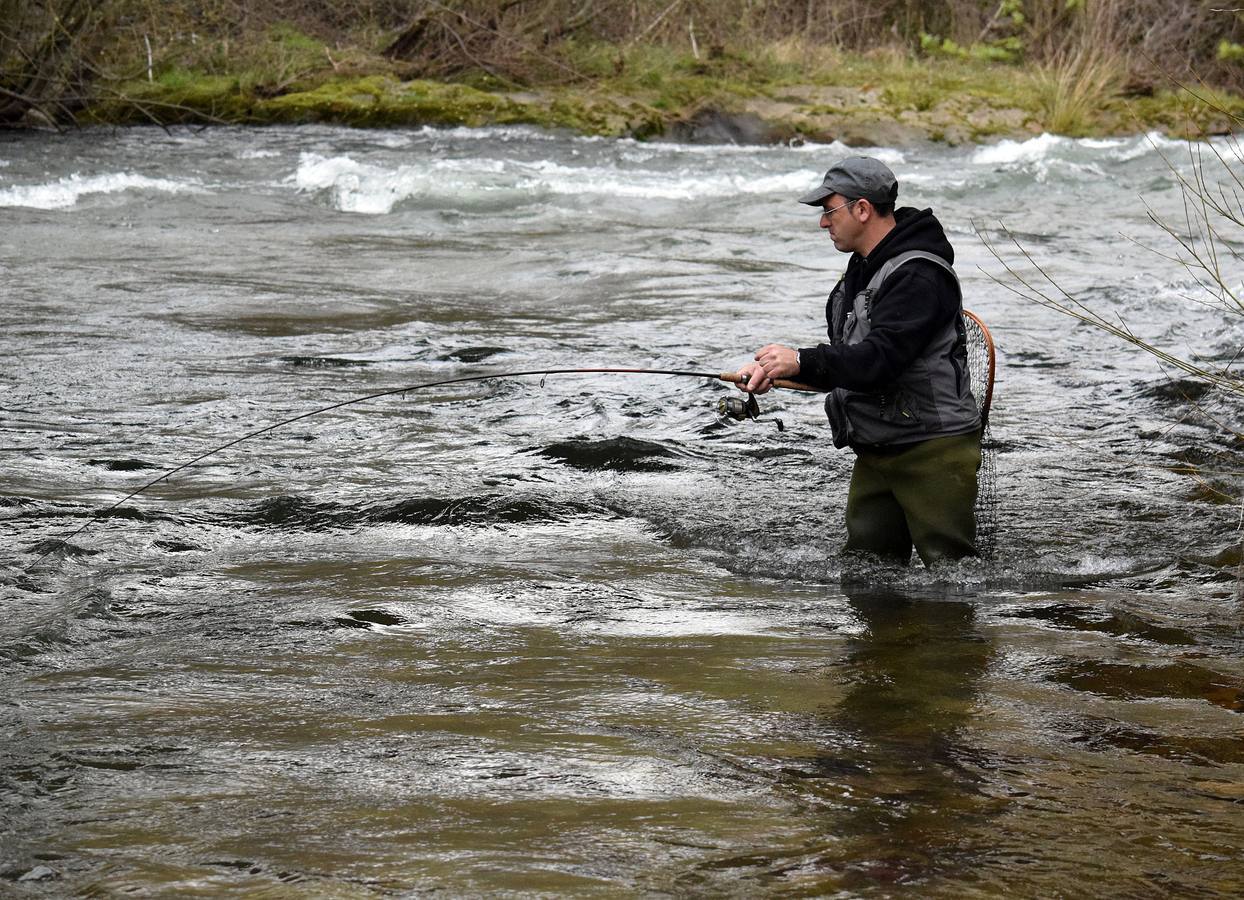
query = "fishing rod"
{"x": 733, "y": 407}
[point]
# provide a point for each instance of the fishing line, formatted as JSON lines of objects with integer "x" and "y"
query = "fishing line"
{"x": 732, "y": 377}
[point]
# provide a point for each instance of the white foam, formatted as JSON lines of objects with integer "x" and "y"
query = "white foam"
{"x": 831, "y": 152}
{"x": 66, "y": 192}
{"x": 492, "y": 133}
{"x": 1093, "y": 564}
{"x": 635, "y": 149}
{"x": 888, "y": 155}
{"x": 1050, "y": 156}
{"x": 363, "y": 188}
{"x": 555, "y": 178}
{"x": 1039, "y": 151}
{"x": 1153, "y": 142}
{"x": 937, "y": 179}
{"x": 1102, "y": 143}
{"x": 258, "y": 154}
{"x": 1008, "y": 152}
{"x": 375, "y": 190}
{"x": 677, "y": 622}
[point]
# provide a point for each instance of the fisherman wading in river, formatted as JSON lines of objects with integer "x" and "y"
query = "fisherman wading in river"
{"x": 895, "y": 368}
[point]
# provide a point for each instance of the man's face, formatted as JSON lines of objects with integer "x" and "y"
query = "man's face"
{"x": 838, "y": 218}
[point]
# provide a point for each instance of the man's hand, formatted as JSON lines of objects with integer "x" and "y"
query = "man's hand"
{"x": 773, "y": 361}
{"x": 778, "y": 361}
{"x": 753, "y": 379}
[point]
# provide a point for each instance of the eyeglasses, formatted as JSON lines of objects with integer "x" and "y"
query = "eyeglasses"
{"x": 834, "y": 209}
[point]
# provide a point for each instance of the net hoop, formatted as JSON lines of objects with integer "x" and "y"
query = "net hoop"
{"x": 982, "y": 362}
{"x": 980, "y": 343}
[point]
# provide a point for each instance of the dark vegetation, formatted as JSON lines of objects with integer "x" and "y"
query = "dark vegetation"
{"x": 1060, "y": 64}
{"x": 45, "y": 63}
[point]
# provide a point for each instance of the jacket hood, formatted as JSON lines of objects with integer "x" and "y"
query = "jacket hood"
{"x": 915, "y": 229}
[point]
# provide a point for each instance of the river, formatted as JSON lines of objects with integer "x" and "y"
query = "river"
{"x": 580, "y": 635}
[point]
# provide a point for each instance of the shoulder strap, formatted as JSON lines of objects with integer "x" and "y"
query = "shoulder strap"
{"x": 894, "y": 262}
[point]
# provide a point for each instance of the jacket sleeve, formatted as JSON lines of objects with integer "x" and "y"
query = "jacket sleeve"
{"x": 912, "y": 306}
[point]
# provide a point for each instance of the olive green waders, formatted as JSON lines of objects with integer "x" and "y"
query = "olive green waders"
{"x": 924, "y": 495}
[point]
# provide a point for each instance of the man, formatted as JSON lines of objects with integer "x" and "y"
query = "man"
{"x": 895, "y": 369}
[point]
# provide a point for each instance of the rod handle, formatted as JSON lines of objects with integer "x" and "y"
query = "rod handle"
{"x": 735, "y": 378}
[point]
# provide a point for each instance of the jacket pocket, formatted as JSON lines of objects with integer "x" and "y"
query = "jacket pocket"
{"x": 900, "y": 409}
{"x": 835, "y": 411}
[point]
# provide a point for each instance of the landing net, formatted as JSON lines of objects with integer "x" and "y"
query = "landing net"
{"x": 981, "y": 363}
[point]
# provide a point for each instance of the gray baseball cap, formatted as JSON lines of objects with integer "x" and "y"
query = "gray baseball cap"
{"x": 856, "y": 178}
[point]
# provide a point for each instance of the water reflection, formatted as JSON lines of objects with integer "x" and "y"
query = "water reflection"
{"x": 895, "y": 787}
{"x": 909, "y": 788}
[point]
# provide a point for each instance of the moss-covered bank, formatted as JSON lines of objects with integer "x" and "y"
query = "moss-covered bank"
{"x": 889, "y": 97}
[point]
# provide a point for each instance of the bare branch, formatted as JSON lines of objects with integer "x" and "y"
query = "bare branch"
{"x": 1068, "y": 304}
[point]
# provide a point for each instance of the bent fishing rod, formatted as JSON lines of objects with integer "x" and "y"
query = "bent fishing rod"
{"x": 735, "y": 409}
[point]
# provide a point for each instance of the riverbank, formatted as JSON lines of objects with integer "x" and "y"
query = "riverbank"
{"x": 889, "y": 97}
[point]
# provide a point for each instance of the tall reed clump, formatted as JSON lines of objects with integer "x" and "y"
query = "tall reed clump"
{"x": 1084, "y": 69}
{"x": 1071, "y": 91}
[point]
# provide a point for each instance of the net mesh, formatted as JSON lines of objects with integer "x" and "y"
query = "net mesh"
{"x": 981, "y": 362}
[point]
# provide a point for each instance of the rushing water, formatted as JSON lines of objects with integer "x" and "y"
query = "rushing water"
{"x": 583, "y": 636}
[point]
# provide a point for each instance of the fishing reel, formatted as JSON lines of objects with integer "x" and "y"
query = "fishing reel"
{"x": 741, "y": 410}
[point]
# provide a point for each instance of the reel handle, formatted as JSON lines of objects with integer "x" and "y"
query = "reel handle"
{"x": 735, "y": 378}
